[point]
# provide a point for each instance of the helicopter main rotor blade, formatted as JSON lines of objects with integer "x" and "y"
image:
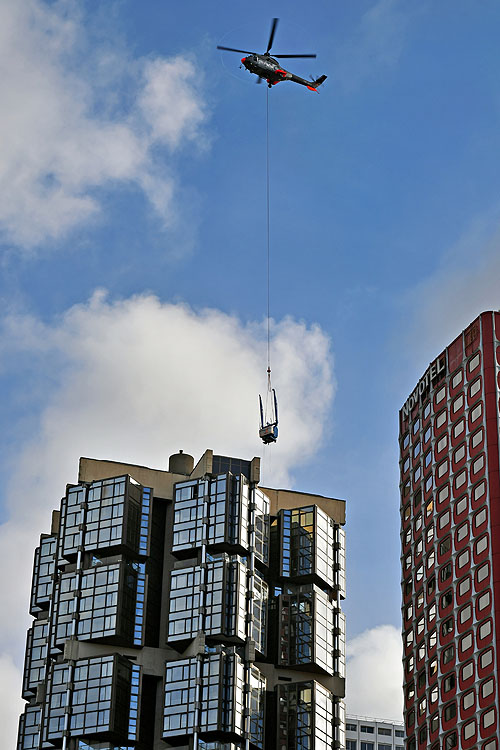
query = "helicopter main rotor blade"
{"x": 271, "y": 35}
{"x": 232, "y": 49}
{"x": 294, "y": 55}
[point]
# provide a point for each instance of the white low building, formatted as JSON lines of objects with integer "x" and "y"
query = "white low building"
{"x": 364, "y": 733}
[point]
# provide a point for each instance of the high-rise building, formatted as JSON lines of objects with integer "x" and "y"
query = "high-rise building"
{"x": 365, "y": 733}
{"x": 186, "y": 608}
{"x": 450, "y": 535}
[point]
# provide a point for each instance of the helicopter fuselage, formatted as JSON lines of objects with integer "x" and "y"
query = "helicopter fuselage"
{"x": 269, "y": 68}
{"x": 265, "y": 67}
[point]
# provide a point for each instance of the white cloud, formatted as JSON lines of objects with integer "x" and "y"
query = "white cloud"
{"x": 11, "y": 704}
{"x": 465, "y": 283}
{"x": 374, "y": 676}
{"x": 377, "y": 43}
{"x": 137, "y": 380}
{"x": 61, "y": 138}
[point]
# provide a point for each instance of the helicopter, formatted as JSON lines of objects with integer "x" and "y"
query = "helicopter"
{"x": 266, "y": 67}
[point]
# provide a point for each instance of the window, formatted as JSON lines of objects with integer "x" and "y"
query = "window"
{"x": 465, "y": 614}
{"x": 440, "y": 394}
{"x": 434, "y": 695}
{"x": 448, "y": 654}
{"x": 477, "y": 438}
{"x": 458, "y": 428}
{"x": 481, "y": 544}
{"x": 478, "y": 464}
{"x": 446, "y": 599}
{"x": 427, "y": 409}
{"x": 445, "y": 572}
{"x": 468, "y": 700}
{"x": 432, "y": 639}
{"x": 469, "y": 730}
{"x": 456, "y": 379}
{"x": 459, "y": 453}
{"x": 450, "y": 711}
{"x": 367, "y": 729}
{"x": 450, "y": 741}
{"x": 486, "y": 658}
{"x": 476, "y": 412}
{"x": 367, "y": 745}
{"x": 418, "y": 522}
{"x": 473, "y": 363}
{"x": 458, "y": 403}
{"x": 385, "y": 731}
{"x": 475, "y": 387}
{"x": 488, "y": 718}
{"x": 445, "y": 546}
{"x": 487, "y": 688}
{"x": 433, "y": 667}
{"x": 427, "y": 458}
{"x": 416, "y": 426}
{"x": 447, "y": 627}
{"x": 464, "y": 586}
{"x": 449, "y": 683}
{"x": 428, "y": 482}
{"x": 467, "y": 671}
{"x": 485, "y": 630}
{"x": 441, "y": 419}
{"x": 431, "y": 585}
{"x": 442, "y": 468}
{"x": 427, "y": 435}
{"x": 416, "y": 450}
{"x": 461, "y": 505}
{"x": 463, "y": 559}
{"x": 429, "y": 534}
{"x": 350, "y": 744}
{"x": 443, "y": 493}
{"x": 382, "y": 746}
{"x": 463, "y": 532}
{"x": 442, "y": 443}
{"x": 417, "y": 474}
{"x": 434, "y": 723}
{"x": 479, "y": 518}
{"x": 430, "y": 559}
{"x": 406, "y": 440}
{"x": 444, "y": 519}
{"x": 420, "y": 625}
{"x": 479, "y": 491}
{"x": 460, "y": 478}
{"x": 466, "y": 642}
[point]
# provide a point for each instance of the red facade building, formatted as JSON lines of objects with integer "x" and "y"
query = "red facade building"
{"x": 450, "y": 537}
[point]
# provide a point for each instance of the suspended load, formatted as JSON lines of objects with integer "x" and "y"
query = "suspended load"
{"x": 268, "y": 431}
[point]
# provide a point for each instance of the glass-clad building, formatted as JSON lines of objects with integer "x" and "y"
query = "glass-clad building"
{"x": 187, "y": 608}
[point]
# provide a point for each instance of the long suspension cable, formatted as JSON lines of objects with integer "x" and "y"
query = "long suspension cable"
{"x": 268, "y": 246}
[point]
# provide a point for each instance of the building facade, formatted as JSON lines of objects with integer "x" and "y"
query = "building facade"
{"x": 450, "y": 534}
{"x": 187, "y": 608}
{"x": 364, "y": 733}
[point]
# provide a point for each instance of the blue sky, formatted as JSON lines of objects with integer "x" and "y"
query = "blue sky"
{"x": 132, "y": 230}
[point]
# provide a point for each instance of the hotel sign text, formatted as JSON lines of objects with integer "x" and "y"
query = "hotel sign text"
{"x": 434, "y": 372}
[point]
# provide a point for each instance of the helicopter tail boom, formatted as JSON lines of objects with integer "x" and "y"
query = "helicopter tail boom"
{"x": 311, "y": 85}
